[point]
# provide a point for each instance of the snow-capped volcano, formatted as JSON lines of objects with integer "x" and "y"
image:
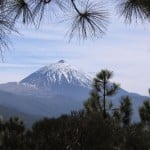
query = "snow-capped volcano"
{"x": 60, "y": 73}
{"x": 60, "y": 78}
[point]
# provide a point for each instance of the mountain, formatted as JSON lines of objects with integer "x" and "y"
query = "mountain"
{"x": 55, "y": 89}
{"x": 48, "y": 92}
{"x": 58, "y": 75}
{"x": 60, "y": 79}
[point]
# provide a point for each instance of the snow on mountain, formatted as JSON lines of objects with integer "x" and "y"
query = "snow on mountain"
{"x": 59, "y": 73}
{"x": 60, "y": 78}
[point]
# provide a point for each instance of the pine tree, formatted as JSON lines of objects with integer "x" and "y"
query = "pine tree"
{"x": 144, "y": 111}
{"x": 92, "y": 104}
{"x": 126, "y": 110}
{"x": 102, "y": 88}
{"x": 13, "y": 133}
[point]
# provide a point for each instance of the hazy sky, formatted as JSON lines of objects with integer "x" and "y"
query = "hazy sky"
{"x": 124, "y": 49}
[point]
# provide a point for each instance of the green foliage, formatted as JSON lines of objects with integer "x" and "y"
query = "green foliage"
{"x": 12, "y": 134}
{"x": 144, "y": 112}
{"x": 80, "y": 130}
{"x": 126, "y": 110}
{"x": 92, "y": 104}
{"x": 136, "y": 138}
{"x": 116, "y": 115}
{"x": 102, "y": 88}
{"x": 77, "y": 131}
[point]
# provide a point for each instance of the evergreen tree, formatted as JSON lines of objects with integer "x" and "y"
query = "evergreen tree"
{"x": 126, "y": 110}
{"x": 144, "y": 111}
{"x": 75, "y": 131}
{"x": 93, "y": 103}
{"x": 102, "y": 88}
{"x": 116, "y": 116}
{"x": 13, "y": 134}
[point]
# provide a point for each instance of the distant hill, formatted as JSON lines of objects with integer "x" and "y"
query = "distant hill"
{"x": 38, "y": 106}
{"x": 7, "y": 112}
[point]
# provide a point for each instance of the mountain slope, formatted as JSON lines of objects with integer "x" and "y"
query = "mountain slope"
{"x": 20, "y": 89}
{"x": 7, "y": 112}
{"x": 39, "y": 106}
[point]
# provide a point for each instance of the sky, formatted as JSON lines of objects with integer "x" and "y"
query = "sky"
{"x": 124, "y": 49}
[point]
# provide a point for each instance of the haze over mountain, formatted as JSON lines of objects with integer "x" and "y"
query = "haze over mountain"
{"x": 53, "y": 90}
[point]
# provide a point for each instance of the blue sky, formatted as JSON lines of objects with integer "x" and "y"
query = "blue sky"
{"x": 125, "y": 49}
